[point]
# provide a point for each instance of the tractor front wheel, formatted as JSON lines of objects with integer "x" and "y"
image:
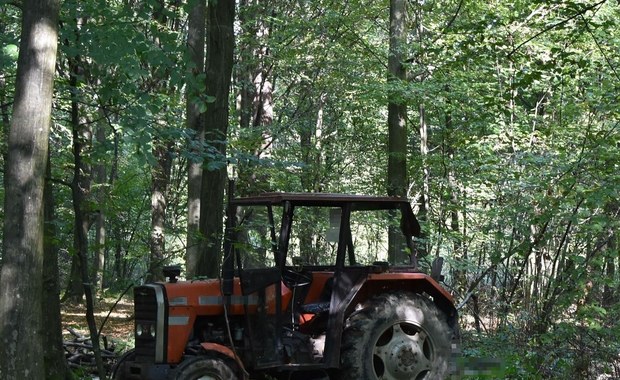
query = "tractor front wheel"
{"x": 396, "y": 336}
{"x": 118, "y": 370}
{"x": 206, "y": 368}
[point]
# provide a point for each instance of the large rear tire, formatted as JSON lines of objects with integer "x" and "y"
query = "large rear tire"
{"x": 396, "y": 336}
{"x": 206, "y": 368}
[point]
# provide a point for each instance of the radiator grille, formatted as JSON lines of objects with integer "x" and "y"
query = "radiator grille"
{"x": 145, "y": 307}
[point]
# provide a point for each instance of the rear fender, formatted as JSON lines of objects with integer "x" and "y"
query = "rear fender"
{"x": 413, "y": 282}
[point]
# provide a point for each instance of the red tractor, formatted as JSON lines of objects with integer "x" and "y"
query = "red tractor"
{"x": 306, "y": 292}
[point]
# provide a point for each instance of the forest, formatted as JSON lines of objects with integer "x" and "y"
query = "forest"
{"x": 122, "y": 123}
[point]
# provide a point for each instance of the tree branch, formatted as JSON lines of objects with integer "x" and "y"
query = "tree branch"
{"x": 600, "y": 48}
{"x": 553, "y": 26}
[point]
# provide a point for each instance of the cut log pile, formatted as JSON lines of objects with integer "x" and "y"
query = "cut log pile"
{"x": 79, "y": 352}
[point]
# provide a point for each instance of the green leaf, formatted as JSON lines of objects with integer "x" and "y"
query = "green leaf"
{"x": 10, "y": 51}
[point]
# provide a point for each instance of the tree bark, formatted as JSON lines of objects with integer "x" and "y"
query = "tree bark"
{"x": 21, "y": 274}
{"x": 54, "y": 355}
{"x": 255, "y": 81}
{"x": 220, "y": 48}
{"x": 195, "y": 122}
{"x": 159, "y": 186}
{"x": 4, "y": 119}
{"x": 100, "y": 224}
{"x": 397, "y": 115}
{"x": 80, "y": 190}
{"x": 82, "y": 143}
{"x": 162, "y": 153}
{"x": 423, "y": 248}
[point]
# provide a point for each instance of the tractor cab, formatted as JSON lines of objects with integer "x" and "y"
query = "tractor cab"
{"x": 321, "y": 254}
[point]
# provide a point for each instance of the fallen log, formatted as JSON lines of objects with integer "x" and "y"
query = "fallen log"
{"x": 79, "y": 353}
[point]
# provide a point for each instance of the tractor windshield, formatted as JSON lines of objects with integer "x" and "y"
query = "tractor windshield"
{"x": 315, "y": 236}
{"x": 315, "y": 233}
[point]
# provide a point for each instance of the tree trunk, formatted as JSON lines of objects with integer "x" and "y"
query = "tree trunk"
{"x": 21, "y": 274}
{"x": 4, "y": 119}
{"x": 162, "y": 153}
{"x": 397, "y": 128}
{"x": 159, "y": 186}
{"x": 100, "y": 227}
{"x": 195, "y": 122}
{"x": 74, "y": 292}
{"x": 81, "y": 240}
{"x": 219, "y": 69}
{"x": 118, "y": 273}
{"x": 453, "y": 201}
{"x": 609, "y": 297}
{"x": 82, "y": 143}
{"x": 423, "y": 247}
{"x": 80, "y": 190}
{"x": 54, "y": 355}
{"x": 255, "y": 81}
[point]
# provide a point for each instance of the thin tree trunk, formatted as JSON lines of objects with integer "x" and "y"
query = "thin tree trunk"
{"x": 219, "y": 69}
{"x": 117, "y": 273}
{"x": 425, "y": 196}
{"x": 21, "y": 274}
{"x": 82, "y": 143}
{"x": 609, "y": 293}
{"x": 255, "y": 81}
{"x": 195, "y": 121}
{"x": 100, "y": 227}
{"x": 74, "y": 291}
{"x": 159, "y": 186}
{"x": 81, "y": 231}
{"x": 457, "y": 245}
{"x": 4, "y": 119}
{"x": 160, "y": 172}
{"x": 397, "y": 126}
{"x": 54, "y": 355}
{"x": 80, "y": 189}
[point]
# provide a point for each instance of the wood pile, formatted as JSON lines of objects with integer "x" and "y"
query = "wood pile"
{"x": 79, "y": 352}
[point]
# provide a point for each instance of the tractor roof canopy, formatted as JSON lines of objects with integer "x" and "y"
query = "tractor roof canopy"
{"x": 356, "y": 202}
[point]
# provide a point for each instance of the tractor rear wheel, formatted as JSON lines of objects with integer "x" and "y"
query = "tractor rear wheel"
{"x": 396, "y": 336}
{"x": 206, "y": 368}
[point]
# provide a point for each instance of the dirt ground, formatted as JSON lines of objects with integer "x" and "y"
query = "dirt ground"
{"x": 118, "y": 328}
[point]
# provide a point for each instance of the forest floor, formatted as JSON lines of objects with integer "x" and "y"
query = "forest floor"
{"x": 118, "y": 327}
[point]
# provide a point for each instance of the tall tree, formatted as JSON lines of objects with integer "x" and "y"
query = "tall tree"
{"x": 80, "y": 191}
{"x": 160, "y": 174}
{"x": 255, "y": 83}
{"x": 167, "y": 20}
{"x": 99, "y": 174}
{"x": 21, "y": 274}
{"x": 82, "y": 172}
{"x": 195, "y": 121}
{"x": 397, "y": 116}
{"x": 220, "y": 47}
{"x": 54, "y": 355}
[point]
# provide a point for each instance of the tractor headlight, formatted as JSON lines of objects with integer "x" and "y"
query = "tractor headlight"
{"x": 145, "y": 330}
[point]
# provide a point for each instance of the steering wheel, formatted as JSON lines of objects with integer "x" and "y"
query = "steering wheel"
{"x": 294, "y": 279}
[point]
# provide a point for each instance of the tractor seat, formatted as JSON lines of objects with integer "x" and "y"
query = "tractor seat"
{"x": 315, "y": 308}
{"x": 322, "y": 305}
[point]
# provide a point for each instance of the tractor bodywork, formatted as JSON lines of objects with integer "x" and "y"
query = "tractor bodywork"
{"x": 289, "y": 318}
